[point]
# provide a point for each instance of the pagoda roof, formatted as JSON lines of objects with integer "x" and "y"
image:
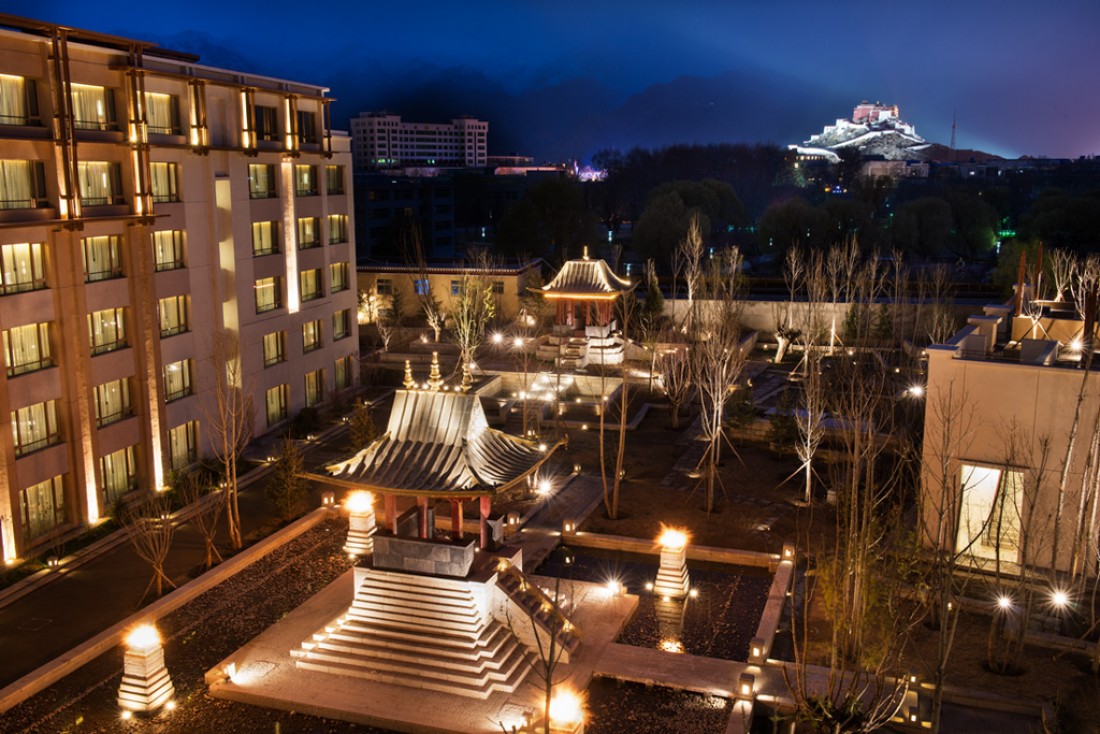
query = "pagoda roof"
{"x": 586, "y": 277}
{"x": 439, "y": 443}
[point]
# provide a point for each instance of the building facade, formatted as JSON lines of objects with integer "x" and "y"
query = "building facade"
{"x": 149, "y": 204}
{"x": 383, "y": 141}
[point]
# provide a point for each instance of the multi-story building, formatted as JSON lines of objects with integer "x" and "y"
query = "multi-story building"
{"x": 148, "y": 204}
{"x": 383, "y": 141}
{"x": 387, "y": 208}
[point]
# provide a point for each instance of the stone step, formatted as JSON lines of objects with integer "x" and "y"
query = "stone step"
{"x": 379, "y": 640}
{"x": 440, "y": 637}
{"x": 407, "y": 681}
{"x": 416, "y": 596}
{"x": 375, "y": 579}
{"x": 418, "y": 656}
{"x": 420, "y": 607}
{"x": 472, "y": 625}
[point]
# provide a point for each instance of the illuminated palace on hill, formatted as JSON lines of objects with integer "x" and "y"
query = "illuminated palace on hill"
{"x": 148, "y": 202}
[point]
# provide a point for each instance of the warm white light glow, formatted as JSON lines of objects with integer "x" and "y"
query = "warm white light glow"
{"x": 359, "y": 502}
{"x": 1059, "y": 598}
{"x": 143, "y": 637}
{"x": 544, "y": 487}
{"x": 694, "y": 593}
{"x": 566, "y": 708}
{"x": 916, "y": 391}
{"x": 672, "y": 538}
{"x": 498, "y": 338}
{"x": 1004, "y": 602}
{"x": 614, "y": 587}
{"x": 671, "y": 645}
{"x": 1076, "y": 345}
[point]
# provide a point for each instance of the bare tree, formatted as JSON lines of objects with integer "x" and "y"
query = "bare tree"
{"x": 674, "y": 364}
{"x": 811, "y": 418}
{"x": 473, "y": 308}
{"x": 230, "y": 421}
{"x": 150, "y": 531}
{"x": 196, "y": 490}
{"x": 612, "y": 488}
{"x": 413, "y": 247}
{"x": 794, "y": 272}
{"x": 689, "y": 260}
{"x": 1062, "y": 266}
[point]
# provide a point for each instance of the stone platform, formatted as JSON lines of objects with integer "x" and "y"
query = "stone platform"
{"x": 264, "y": 672}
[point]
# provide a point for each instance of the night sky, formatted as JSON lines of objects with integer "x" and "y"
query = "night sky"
{"x": 563, "y": 78}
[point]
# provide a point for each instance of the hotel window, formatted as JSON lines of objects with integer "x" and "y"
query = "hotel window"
{"x": 261, "y": 181}
{"x": 22, "y": 184}
{"x": 183, "y": 443}
{"x": 337, "y": 228}
{"x": 162, "y": 113}
{"x": 277, "y": 399}
{"x": 990, "y": 516}
{"x": 334, "y": 179}
{"x": 93, "y": 107}
{"x": 269, "y": 294}
{"x": 498, "y": 287}
{"x": 456, "y": 287}
{"x": 102, "y": 258}
{"x": 168, "y": 250}
{"x": 177, "y": 380}
{"x": 338, "y": 277}
{"x": 274, "y": 348}
{"x": 315, "y": 388}
{"x": 311, "y": 335}
{"x": 309, "y": 233}
{"x": 34, "y": 427}
{"x": 384, "y": 287}
{"x": 311, "y": 284}
{"x": 165, "y": 182}
{"x": 112, "y": 402}
{"x": 265, "y": 238}
{"x": 18, "y": 101}
{"x": 27, "y": 348}
{"x": 307, "y": 126}
{"x": 341, "y": 324}
{"x": 43, "y": 507}
{"x": 100, "y": 183}
{"x": 305, "y": 180}
{"x": 343, "y": 373}
{"x": 173, "y": 316}
{"x": 267, "y": 123}
{"x": 21, "y": 268}
{"x": 422, "y": 286}
{"x": 117, "y": 474}
{"x": 107, "y": 330}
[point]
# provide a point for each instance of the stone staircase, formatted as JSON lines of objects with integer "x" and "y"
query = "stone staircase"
{"x": 574, "y": 354}
{"x": 420, "y": 632}
{"x": 538, "y": 606}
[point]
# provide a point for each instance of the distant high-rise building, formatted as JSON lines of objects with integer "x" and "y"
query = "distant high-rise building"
{"x": 148, "y": 204}
{"x": 381, "y": 141}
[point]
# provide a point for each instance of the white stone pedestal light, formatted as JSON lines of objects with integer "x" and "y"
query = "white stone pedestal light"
{"x": 146, "y": 685}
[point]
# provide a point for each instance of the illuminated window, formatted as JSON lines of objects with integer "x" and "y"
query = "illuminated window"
{"x": 309, "y": 233}
{"x": 269, "y": 294}
{"x": 168, "y": 250}
{"x": 261, "y": 181}
{"x": 334, "y": 179}
{"x": 311, "y": 284}
{"x": 107, "y": 330}
{"x": 341, "y": 324}
{"x": 43, "y": 507}
{"x": 100, "y": 183}
{"x": 18, "y": 101}
{"x": 338, "y": 277}
{"x": 162, "y": 114}
{"x": 112, "y": 402}
{"x": 118, "y": 474}
{"x": 34, "y": 427}
{"x": 277, "y": 399}
{"x": 93, "y": 107}
{"x": 422, "y": 287}
{"x": 173, "y": 316}
{"x": 307, "y": 127}
{"x": 337, "y": 228}
{"x": 102, "y": 258}
{"x": 343, "y": 367}
{"x": 274, "y": 348}
{"x": 177, "y": 380}
{"x": 456, "y": 287}
{"x": 183, "y": 445}
{"x": 311, "y": 335}
{"x": 305, "y": 180}
{"x": 267, "y": 123}
{"x": 22, "y": 184}
{"x": 164, "y": 180}
{"x": 265, "y": 238}
{"x": 21, "y": 268}
{"x": 990, "y": 513}
{"x": 315, "y": 388}
{"x": 27, "y": 348}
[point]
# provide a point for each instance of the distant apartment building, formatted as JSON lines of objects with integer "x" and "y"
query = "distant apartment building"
{"x": 148, "y": 203}
{"x": 387, "y": 208}
{"x": 383, "y": 141}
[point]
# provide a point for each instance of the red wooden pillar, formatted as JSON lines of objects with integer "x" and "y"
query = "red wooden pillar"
{"x": 422, "y": 517}
{"x": 390, "y": 502}
{"x": 456, "y": 519}
{"x": 486, "y": 504}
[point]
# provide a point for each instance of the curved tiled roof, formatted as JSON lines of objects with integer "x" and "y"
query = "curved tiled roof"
{"x": 586, "y": 277}
{"x": 439, "y": 443}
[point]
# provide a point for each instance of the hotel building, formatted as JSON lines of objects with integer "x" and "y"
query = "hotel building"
{"x": 147, "y": 204}
{"x": 379, "y": 140}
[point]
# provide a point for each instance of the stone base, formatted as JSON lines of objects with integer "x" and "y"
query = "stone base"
{"x": 146, "y": 685}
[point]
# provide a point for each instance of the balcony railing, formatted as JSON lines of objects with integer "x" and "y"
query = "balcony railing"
{"x": 31, "y": 203}
{"x": 22, "y": 286}
{"x": 174, "y": 329}
{"x": 108, "y": 274}
{"x": 28, "y": 367}
{"x": 106, "y": 420}
{"x": 22, "y": 449}
{"x": 179, "y": 393}
{"x": 109, "y": 346}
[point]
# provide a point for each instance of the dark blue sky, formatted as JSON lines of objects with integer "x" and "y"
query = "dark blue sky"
{"x": 561, "y": 77}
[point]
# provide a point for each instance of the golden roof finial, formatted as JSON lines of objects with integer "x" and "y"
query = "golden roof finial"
{"x": 585, "y": 253}
{"x": 409, "y": 383}
{"x": 435, "y": 379}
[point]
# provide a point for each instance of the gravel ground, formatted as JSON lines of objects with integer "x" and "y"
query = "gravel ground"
{"x": 197, "y": 636}
{"x": 719, "y": 623}
{"x": 616, "y": 707}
